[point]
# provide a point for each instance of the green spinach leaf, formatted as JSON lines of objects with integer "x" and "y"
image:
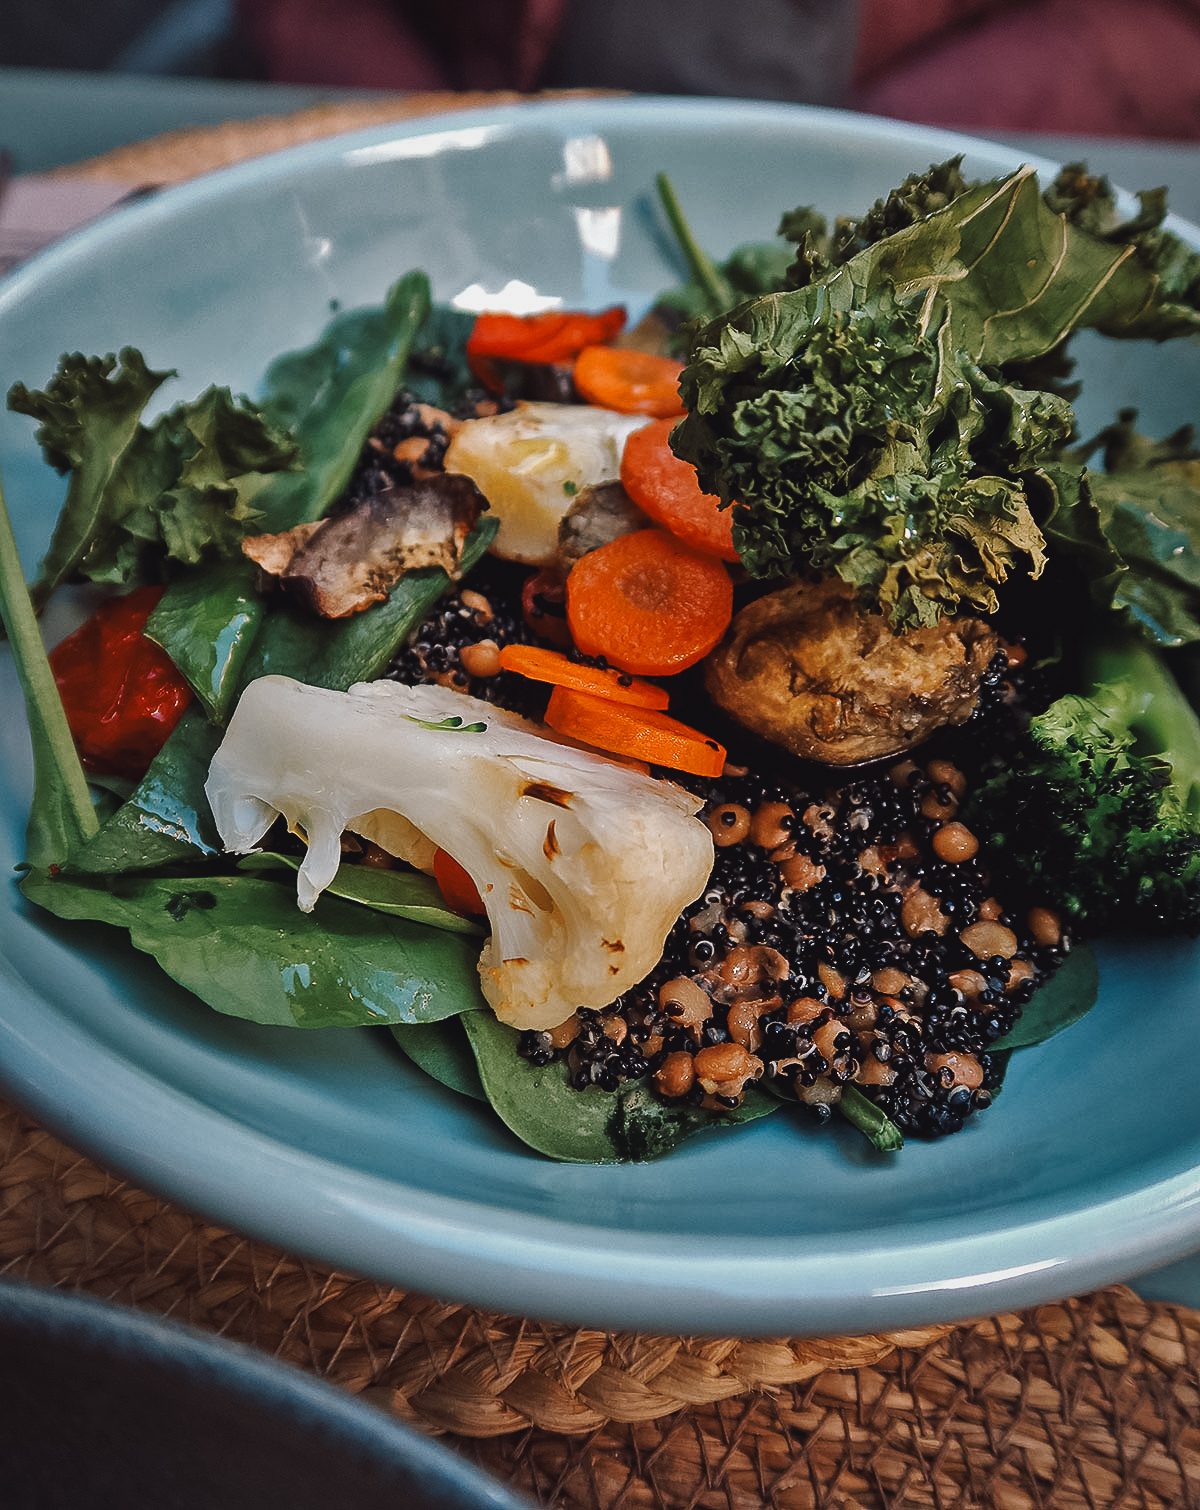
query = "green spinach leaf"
{"x": 207, "y": 621}
{"x": 1068, "y": 995}
{"x": 330, "y": 394}
{"x": 167, "y": 820}
{"x": 242, "y": 945}
{"x": 401, "y": 893}
{"x": 441, "y": 1049}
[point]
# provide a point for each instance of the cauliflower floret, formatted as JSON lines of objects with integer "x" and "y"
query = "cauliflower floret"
{"x": 583, "y": 864}
{"x": 531, "y": 463}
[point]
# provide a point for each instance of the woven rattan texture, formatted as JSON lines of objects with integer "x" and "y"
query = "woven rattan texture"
{"x": 1092, "y": 1403}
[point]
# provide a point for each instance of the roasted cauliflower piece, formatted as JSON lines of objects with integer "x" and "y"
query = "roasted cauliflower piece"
{"x": 583, "y": 864}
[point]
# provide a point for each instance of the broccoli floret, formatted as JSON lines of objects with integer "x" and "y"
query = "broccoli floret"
{"x": 1098, "y": 814}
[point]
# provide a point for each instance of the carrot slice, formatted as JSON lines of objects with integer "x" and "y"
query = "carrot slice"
{"x": 632, "y": 382}
{"x": 542, "y": 665}
{"x": 554, "y": 335}
{"x": 648, "y": 603}
{"x": 640, "y": 733}
{"x": 665, "y": 487}
{"x": 456, "y": 886}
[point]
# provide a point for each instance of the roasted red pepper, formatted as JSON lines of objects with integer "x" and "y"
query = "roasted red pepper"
{"x": 555, "y": 335}
{"x": 122, "y": 693}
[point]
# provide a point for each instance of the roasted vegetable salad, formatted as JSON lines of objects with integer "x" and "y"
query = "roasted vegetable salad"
{"x": 653, "y": 729}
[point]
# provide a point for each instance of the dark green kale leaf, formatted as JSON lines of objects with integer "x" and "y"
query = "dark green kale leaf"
{"x": 865, "y": 423}
{"x": 1130, "y": 529}
{"x": 140, "y": 495}
{"x": 1088, "y": 201}
{"x": 919, "y": 196}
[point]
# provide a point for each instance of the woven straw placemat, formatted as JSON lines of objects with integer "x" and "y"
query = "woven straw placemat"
{"x": 1092, "y": 1403}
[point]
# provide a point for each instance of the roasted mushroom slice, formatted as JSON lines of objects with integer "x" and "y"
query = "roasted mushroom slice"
{"x": 808, "y": 669}
{"x": 342, "y": 565}
{"x": 597, "y": 515}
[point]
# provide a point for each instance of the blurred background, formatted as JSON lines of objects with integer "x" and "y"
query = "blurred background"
{"x": 1093, "y": 67}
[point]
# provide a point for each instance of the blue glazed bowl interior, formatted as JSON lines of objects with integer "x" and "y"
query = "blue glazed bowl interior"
{"x": 1088, "y": 1167}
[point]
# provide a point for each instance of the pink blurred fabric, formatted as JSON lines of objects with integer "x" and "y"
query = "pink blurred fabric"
{"x": 1119, "y": 67}
{"x": 380, "y": 44}
{"x": 1093, "y": 67}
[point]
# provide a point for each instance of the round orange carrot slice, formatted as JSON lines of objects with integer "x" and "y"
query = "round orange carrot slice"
{"x": 631, "y": 382}
{"x": 665, "y": 487}
{"x": 648, "y": 603}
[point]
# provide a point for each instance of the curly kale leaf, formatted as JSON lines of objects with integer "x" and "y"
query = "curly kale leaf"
{"x": 765, "y": 267}
{"x": 1130, "y": 530}
{"x": 1088, "y": 201}
{"x": 864, "y": 421}
{"x": 140, "y": 494}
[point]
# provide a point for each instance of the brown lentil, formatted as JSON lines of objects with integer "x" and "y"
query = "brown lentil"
{"x": 728, "y": 823}
{"x": 954, "y": 842}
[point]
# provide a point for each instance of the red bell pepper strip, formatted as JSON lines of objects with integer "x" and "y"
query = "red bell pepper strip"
{"x": 554, "y": 335}
{"x": 122, "y": 693}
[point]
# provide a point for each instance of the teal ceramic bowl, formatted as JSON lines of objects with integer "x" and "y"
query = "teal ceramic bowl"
{"x": 1087, "y": 1170}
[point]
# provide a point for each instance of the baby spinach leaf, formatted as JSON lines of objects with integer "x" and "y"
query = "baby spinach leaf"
{"x": 585, "y": 1127}
{"x": 242, "y": 945}
{"x": 330, "y": 394}
{"x": 1068, "y": 995}
{"x": 207, "y": 621}
{"x": 438, "y": 372}
{"x": 402, "y": 893}
{"x": 167, "y": 820}
{"x": 442, "y": 1051}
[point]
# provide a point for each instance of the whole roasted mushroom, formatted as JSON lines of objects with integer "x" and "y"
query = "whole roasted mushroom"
{"x": 808, "y": 669}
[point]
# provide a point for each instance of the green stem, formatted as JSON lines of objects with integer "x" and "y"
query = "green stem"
{"x": 704, "y": 270}
{"x": 63, "y": 815}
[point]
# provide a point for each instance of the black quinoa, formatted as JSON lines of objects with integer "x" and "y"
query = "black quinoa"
{"x": 838, "y": 938}
{"x": 842, "y": 938}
